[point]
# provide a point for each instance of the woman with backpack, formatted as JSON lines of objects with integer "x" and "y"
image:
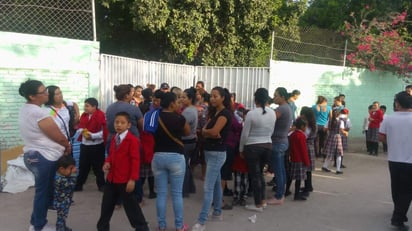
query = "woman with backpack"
{"x": 65, "y": 113}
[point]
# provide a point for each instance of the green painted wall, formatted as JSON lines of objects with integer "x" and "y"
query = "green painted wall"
{"x": 360, "y": 86}
{"x": 73, "y": 65}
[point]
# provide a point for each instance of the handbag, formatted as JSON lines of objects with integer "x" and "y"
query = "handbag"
{"x": 169, "y": 134}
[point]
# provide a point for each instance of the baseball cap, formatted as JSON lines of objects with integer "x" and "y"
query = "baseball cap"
{"x": 164, "y": 86}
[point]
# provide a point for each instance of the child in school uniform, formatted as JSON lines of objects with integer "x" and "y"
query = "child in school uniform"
{"x": 344, "y": 116}
{"x": 241, "y": 181}
{"x": 92, "y": 127}
{"x": 311, "y": 133}
{"x": 123, "y": 166}
{"x": 64, "y": 184}
{"x": 333, "y": 145}
{"x": 299, "y": 157}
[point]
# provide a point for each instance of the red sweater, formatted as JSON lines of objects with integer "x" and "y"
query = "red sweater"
{"x": 96, "y": 123}
{"x": 298, "y": 148}
{"x": 124, "y": 160}
{"x": 376, "y": 118}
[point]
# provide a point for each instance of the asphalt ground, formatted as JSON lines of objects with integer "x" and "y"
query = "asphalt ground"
{"x": 357, "y": 200}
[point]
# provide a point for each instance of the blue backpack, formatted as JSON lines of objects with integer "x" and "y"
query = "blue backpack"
{"x": 151, "y": 121}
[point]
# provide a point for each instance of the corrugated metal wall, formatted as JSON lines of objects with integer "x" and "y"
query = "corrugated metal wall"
{"x": 241, "y": 80}
{"x": 116, "y": 70}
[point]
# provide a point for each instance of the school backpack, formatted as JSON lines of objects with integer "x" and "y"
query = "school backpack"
{"x": 150, "y": 125}
{"x": 151, "y": 121}
{"x": 70, "y": 107}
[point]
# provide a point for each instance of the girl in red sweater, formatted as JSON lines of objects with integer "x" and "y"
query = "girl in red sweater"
{"x": 299, "y": 157}
{"x": 375, "y": 119}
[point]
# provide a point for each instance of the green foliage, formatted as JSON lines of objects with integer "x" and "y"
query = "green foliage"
{"x": 225, "y": 32}
{"x": 331, "y": 14}
{"x": 150, "y": 15}
{"x": 380, "y": 44}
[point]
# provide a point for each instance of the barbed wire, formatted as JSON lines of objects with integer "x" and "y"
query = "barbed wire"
{"x": 59, "y": 18}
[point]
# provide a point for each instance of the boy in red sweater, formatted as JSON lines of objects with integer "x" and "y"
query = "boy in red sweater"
{"x": 123, "y": 166}
{"x": 299, "y": 157}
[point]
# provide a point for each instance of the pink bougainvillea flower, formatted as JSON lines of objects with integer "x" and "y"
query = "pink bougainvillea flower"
{"x": 394, "y": 59}
{"x": 380, "y": 45}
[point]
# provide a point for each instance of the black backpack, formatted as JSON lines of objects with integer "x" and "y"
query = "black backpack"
{"x": 72, "y": 113}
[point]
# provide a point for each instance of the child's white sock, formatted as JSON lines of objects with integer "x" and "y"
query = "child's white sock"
{"x": 338, "y": 163}
{"x": 326, "y": 163}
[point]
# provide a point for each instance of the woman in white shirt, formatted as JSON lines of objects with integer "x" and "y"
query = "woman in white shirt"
{"x": 256, "y": 145}
{"x": 44, "y": 144}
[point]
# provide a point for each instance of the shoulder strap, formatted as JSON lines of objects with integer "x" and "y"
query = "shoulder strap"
{"x": 64, "y": 124}
{"x": 168, "y": 133}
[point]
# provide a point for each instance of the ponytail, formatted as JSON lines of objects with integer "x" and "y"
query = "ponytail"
{"x": 261, "y": 98}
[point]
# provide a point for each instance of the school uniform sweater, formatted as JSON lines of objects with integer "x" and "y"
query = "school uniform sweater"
{"x": 377, "y": 118}
{"x": 298, "y": 149}
{"x": 124, "y": 160}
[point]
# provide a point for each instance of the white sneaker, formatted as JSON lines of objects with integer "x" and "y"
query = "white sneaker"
{"x": 47, "y": 227}
{"x": 198, "y": 227}
{"x": 254, "y": 208}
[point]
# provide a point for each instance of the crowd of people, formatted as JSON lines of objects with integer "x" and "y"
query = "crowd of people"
{"x": 163, "y": 134}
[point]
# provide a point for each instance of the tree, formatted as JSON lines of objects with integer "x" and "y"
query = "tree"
{"x": 215, "y": 32}
{"x": 330, "y": 14}
{"x": 381, "y": 43}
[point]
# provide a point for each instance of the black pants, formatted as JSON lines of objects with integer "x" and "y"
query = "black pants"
{"x": 226, "y": 171}
{"x": 189, "y": 182}
{"x": 112, "y": 192}
{"x": 256, "y": 158}
{"x": 374, "y": 146}
{"x": 368, "y": 143}
{"x": 401, "y": 186}
{"x": 91, "y": 156}
{"x": 320, "y": 140}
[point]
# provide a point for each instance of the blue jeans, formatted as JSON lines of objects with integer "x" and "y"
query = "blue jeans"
{"x": 169, "y": 166}
{"x": 212, "y": 186}
{"x": 278, "y": 165}
{"x": 44, "y": 172}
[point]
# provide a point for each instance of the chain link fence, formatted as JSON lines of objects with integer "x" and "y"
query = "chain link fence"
{"x": 59, "y": 18}
{"x": 314, "y": 46}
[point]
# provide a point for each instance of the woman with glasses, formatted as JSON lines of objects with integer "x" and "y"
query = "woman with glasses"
{"x": 44, "y": 144}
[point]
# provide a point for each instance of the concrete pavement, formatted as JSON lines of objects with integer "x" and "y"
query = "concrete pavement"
{"x": 358, "y": 200}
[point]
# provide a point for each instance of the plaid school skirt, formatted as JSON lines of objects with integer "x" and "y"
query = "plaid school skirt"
{"x": 146, "y": 170}
{"x": 333, "y": 146}
{"x": 297, "y": 171}
{"x": 372, "y": 135}
{"x": 312, "y": 158}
